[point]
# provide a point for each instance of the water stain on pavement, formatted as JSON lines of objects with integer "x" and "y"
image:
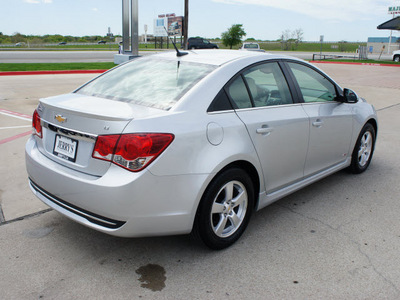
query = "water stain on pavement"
{"x": 39, "y": 232}
{"x": 152, "y": 276}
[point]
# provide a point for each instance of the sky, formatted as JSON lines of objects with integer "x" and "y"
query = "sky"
{"x": 336, "y": 20}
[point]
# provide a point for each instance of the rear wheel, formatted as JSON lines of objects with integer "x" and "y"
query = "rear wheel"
{"x": 396, "y": 58}
{"x": 225, "y": 209}
{"x": 363, "y": 150}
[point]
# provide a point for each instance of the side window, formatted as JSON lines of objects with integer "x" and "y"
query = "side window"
{"x": 221, "y": 102}
{"x": 313, "y": 86}
{"x": 238, "y": 92}
{"x": 267, "y": 85}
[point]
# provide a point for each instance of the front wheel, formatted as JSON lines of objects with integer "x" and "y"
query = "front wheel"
{"x": 396, "y": 58}
{"x": 225, "y": 209}
{"x": 363, "y": 150}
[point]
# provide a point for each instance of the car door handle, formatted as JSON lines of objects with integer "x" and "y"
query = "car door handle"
{"x": 264, "y": 130}
{"x": 317, "y": 123}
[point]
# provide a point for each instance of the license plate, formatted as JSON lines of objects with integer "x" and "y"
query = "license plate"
{"x": 65, "y": 148}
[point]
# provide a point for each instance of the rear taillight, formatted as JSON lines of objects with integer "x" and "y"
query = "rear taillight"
{"x": 133, "y": 152}
{"x": 36, "y": 126}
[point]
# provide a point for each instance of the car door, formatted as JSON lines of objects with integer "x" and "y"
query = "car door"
{"x": 330, "y": 121}
{"x": 278, "y": 127}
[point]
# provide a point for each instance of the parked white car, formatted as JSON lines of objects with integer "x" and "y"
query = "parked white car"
{"x": 396, "y": 56}
{"x": 172, "y": 144}
{"x": 251, "y": 47}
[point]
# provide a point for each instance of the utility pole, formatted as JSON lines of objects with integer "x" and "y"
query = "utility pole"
{"x": 185, "y": 25}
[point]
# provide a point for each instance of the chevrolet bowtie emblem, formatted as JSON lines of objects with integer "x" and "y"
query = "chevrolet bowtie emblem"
{"x": 60, "y": 118}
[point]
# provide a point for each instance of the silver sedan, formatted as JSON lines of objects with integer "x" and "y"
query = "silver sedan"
{"x": 177, "y": 144}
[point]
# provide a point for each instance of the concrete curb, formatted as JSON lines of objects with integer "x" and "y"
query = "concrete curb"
{"x": 51, "y": 72}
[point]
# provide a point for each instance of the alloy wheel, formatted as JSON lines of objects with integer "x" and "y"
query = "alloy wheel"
{"x": 229, "y": 209}
{"x": 365, "y": 149}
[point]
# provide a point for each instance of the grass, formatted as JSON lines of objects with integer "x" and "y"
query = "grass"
{"x": 268, "y": 46}
{"x": 312, "y": 47}
{"x": 13, "y": 67}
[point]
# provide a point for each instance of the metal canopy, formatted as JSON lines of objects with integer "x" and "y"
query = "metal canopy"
{"x": 392, "y": 24}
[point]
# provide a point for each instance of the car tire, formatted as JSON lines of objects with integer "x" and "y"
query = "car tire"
{"x": 396, "y": 58}
{"x": 363, "y": 150}
{"x": 225, "y": 209}
{"x": 192, "y": 48}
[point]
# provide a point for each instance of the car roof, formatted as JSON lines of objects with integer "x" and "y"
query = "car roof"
{"x": 217, "y": 57}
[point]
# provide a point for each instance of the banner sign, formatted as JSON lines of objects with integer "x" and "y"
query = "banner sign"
{"x": 171, "y": 22}
{"x": 393, "y": 10}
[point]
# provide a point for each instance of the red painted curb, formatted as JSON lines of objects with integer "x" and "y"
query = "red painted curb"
{"x": 51, "y": 72}
{"x": 353, "y": 63}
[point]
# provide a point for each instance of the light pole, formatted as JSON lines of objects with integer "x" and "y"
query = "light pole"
{"x": 130, "y": 29}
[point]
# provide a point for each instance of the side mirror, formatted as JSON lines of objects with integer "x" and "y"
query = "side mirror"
{"x": 349, "y": 96}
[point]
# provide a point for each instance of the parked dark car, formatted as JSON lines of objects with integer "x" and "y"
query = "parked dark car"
{"x": 101, "y": 42}
{"x": 62, "y": 43}
{"x": 200, "y": 43}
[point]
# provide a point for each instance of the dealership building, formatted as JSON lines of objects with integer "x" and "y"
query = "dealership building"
{"x": 377, "y": 44}
{"x": 387, "y": 44}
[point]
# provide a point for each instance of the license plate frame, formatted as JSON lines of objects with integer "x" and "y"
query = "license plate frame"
{"x": 65, "y": 148}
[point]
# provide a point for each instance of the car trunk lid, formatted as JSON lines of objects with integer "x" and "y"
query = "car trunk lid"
{"x": 72, "y": 122}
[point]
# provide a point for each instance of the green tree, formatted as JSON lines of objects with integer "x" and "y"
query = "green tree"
{"x": 233, "y": 36}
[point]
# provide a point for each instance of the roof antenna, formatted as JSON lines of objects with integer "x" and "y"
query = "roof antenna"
{"x": 178, "y": 53}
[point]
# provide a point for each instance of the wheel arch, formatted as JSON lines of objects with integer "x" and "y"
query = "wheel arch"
{"x": 251, "y": 170}
{"x": 374, "y": 124}
{"x": 198, "y": 221}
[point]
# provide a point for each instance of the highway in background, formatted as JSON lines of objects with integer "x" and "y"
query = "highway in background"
{"x": 108, "y": 56}
{"x": 56, "y": 56}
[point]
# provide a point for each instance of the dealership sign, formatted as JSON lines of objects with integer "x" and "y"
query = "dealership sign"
{"x": 393, "y": 10}
{"x": 169, "y": 22}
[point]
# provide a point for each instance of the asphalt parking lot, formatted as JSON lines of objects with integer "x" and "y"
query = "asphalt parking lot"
{"x": 336, "y": 239}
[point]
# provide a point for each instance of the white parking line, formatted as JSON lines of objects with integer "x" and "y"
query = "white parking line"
{"x": 14, "y": 127}
{"x": 15, "y": 115}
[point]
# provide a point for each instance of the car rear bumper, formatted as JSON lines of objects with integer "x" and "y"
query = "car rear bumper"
{"x": 120, "y": 202}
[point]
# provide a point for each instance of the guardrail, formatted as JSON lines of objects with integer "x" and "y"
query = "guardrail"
{"x": 331, "y": 56}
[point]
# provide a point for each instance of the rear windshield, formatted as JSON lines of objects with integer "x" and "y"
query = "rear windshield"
{"x": 251, "y": 46}
{"x": 151, "y": 82}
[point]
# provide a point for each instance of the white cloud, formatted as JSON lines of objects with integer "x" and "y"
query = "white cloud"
{"x": 332, "y": 10}
{"x": 95, "y": 9}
